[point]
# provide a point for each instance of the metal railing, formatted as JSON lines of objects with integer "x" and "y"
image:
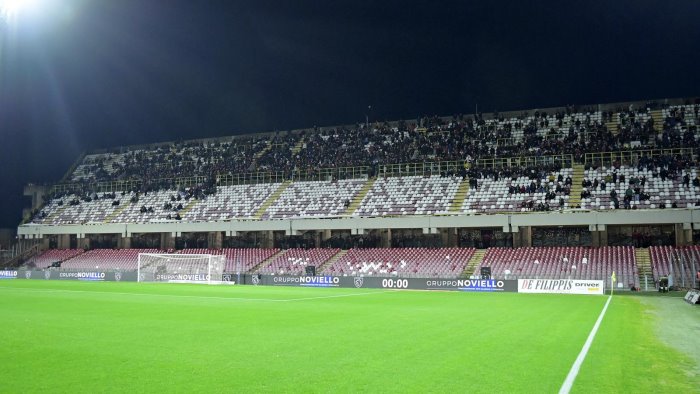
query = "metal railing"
{"x": 250, "y": 178}
{"x": 323, "y": 174}
{"x": 507, "y": 141}
{"x": 420, "y": 169}
{"x": 19, "y": 251}
{"x": 681, "y": 269}
{"x": 628, "y": 157}
{"x": 332, "y": 173}
{"x": 128, "y": 184}
{"x": 526, "y": 161}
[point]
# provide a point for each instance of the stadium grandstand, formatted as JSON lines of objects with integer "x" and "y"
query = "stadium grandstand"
{"x": 349, "y": 197}
{"x": 568, "y": 192}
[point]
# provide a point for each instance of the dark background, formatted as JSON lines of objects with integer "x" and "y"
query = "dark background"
{"x": 83, "y": 74}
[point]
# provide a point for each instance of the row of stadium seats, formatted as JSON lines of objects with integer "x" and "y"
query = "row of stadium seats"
{"x": 238, "y": 259}
{"x": 108, "y": 259}
{"x": 314, "y": 199}
{"x": 51, "y": 256}
{"x": 229, "y": 202}
{"x": 493, "y": 195}
{"x": 94, "y": 212}
{"x": 418, "y": 262}
{"x": 563, "y": 262}
{"x": 544, "y": 262}
{"x": 411, "y": 195}
{"x": 402, "y": 262}
{"x": 294, "y": 261}
{"x": 668, "y": 191}
{"x": 505, "y": 263}
{"x": 683, "y": 260}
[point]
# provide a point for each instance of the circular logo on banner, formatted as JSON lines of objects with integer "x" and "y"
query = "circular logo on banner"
{"x": 28, "y": 274}
{"x": 118, "y": 276}
{"x": 256, "y": 280}
{"x": 47, "y": 274}
{"x": 359, "y": 281}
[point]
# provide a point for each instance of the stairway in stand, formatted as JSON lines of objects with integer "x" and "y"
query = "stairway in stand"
{"x": 55, "y": 214}
{"x": 460, "y": 196}
{"x": 190, "y": 204}
{"x": 575, "y": 192}
{"x": 331, "y": 261}
{"x": 646, "y": 278}
{"x": 474, "y": 262}
{"x": 267, "y": 261}
{"x": 357, "y": 200}
{"x": 271, "y": 200}
{"x": 613, "y": 124}
{"x": 297, "y": 148}
{"x": 658, "y": 119}
{"x": 263, "y": 151}
{"x": 21, "y": 257}
{"x": 117, "y": 211}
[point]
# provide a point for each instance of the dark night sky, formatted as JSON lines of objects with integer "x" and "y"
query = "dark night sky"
{"x": 79, "y": 74}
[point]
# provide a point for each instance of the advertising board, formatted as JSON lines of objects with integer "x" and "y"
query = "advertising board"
{"x": 95, "y": 276}
{"x": 692, "y": 297}
{"x": 560, "y": 286}
{"x": 476, "y": 285}
{"x": 8, "y": 274}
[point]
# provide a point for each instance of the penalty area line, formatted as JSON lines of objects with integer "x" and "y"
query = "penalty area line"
{"x": 571, "y": 377}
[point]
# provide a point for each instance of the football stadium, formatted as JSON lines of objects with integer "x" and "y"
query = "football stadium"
{"x": 549, "y": 249}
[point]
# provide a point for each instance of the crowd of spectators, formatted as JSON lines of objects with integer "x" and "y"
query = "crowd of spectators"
{"x": 178, "y": 199}
{"x": 671, "y": 167}
{"x": 681, "y": 124}
{"x": 536, "y": 174}
{"x": 571, "y": 131}
{"x": 541, "y": 179}
{"x": 174, "y": 160}
{"x": 428, "y": 139}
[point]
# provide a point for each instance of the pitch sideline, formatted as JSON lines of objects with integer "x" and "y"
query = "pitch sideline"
{"x": 191, "y": 296}
{"x": 571, "y": 377}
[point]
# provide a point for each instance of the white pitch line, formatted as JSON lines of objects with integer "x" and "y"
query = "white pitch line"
{"x": 139, "y": 294}
{"x": 185, "y": 296}
{"x": 336, "y": 296}
{"x": 566, "y": 387}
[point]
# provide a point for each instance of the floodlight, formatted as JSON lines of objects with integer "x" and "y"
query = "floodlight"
{"x": 11, "y": 8}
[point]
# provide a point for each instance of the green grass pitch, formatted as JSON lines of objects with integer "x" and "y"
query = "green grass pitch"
{"x": 64, "y": 336}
